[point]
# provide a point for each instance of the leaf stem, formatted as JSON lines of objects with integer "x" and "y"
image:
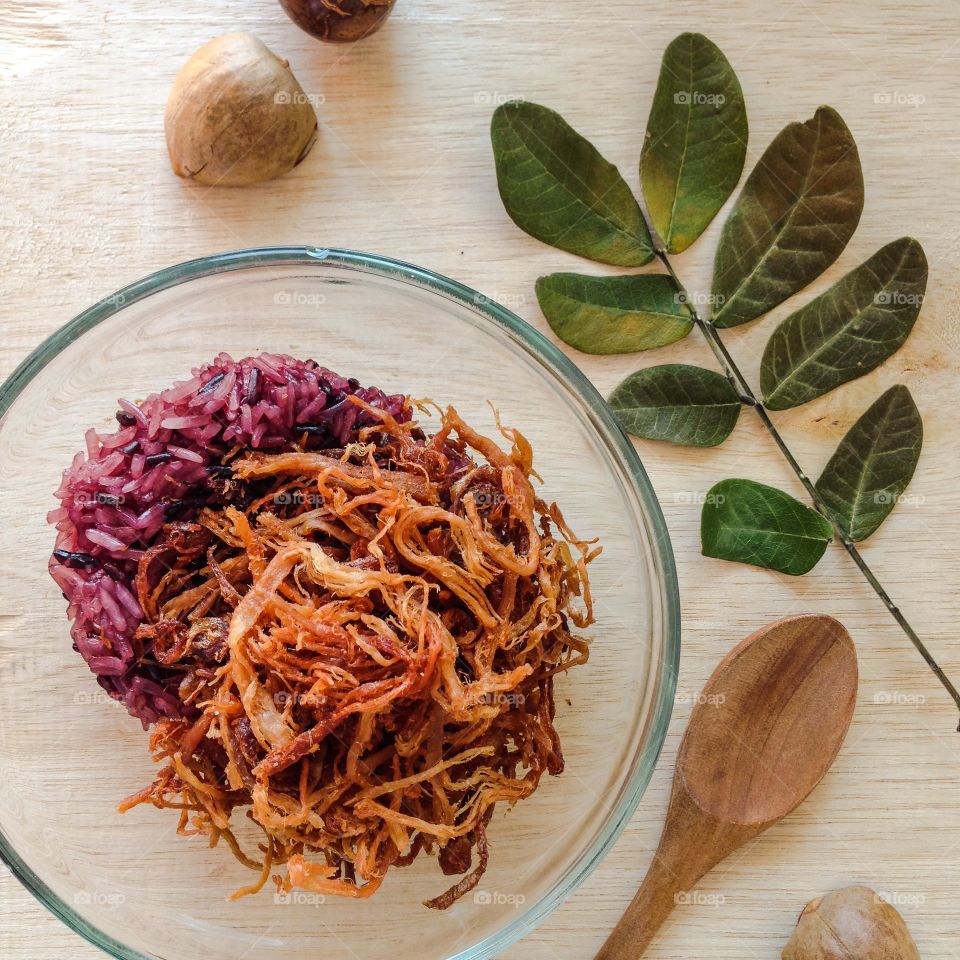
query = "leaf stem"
{"x": 749, "y": 398}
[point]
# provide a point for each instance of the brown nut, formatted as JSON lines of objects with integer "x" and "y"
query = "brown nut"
{"x": 850, "y": 924}
{"x": 338, "y": 21}
{"x": 236, "y": 114}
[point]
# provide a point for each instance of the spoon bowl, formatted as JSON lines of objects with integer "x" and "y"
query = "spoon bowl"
{"x": 771, "y": 721}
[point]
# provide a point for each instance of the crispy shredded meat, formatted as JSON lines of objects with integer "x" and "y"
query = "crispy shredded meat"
{"x": 367, "y": 641}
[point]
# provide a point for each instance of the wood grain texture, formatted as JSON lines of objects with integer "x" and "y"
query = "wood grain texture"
{"x": 403, "y": 167}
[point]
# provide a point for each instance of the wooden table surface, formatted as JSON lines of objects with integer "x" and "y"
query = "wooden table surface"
{"x": 403, "y": 167}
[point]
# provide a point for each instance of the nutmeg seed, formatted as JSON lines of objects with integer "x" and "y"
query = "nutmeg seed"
{"x": 850, "y": 924}
{"x": 237, "y": 115}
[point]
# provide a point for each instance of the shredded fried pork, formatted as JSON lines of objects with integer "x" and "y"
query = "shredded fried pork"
{"x": 367, "y": 640}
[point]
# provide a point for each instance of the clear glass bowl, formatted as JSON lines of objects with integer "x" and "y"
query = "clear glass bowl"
{"x": 68, "y": 754}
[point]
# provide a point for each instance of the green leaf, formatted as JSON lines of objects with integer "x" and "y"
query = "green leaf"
{"x": 752, "y": 523}
{"x": 792, "y": 219}
{"x": 847, "y": 331}
{"x": 696, "y": 140}
{"x": 677, "y": 402}
{"x": 559, "y": 189}
{"x": 873, "y": 464}
{"x": 613, "y": 314}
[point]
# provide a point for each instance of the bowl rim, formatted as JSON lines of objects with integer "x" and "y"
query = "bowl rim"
{"x": 603, "y": 421}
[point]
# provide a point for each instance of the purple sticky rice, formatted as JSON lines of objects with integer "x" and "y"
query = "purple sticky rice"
{"x": 156, "y": 467}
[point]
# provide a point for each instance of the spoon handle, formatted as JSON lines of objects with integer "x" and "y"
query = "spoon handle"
{"x": 651, "y": 906}
{"x": 693, "y": 843}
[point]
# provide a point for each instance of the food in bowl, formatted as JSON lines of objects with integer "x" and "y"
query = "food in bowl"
{"x": 329, "y": 618}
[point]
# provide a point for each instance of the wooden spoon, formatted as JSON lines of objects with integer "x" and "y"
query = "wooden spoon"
{"x": 763, "y": 734}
